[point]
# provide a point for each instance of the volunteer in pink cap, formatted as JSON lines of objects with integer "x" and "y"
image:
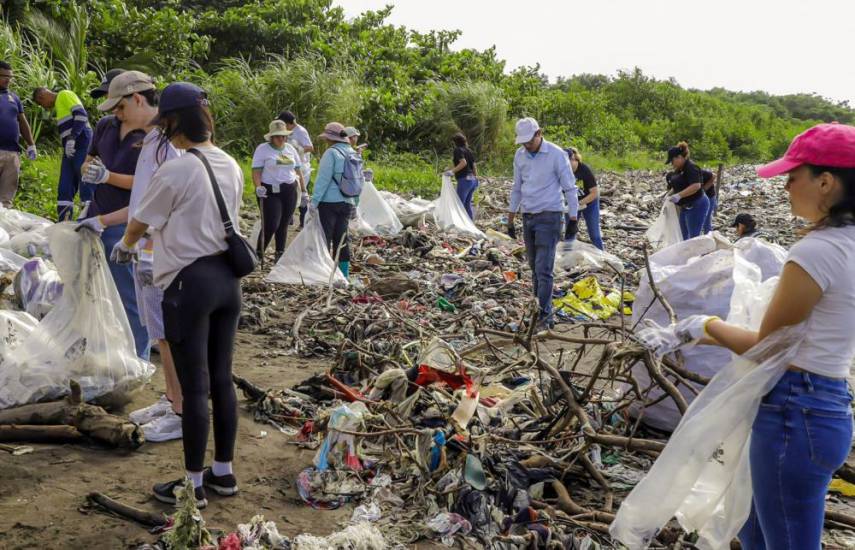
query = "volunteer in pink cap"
{"x": 803, "y": 429}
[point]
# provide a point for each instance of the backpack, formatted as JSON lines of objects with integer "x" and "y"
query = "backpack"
{"x": 351, "y": 180}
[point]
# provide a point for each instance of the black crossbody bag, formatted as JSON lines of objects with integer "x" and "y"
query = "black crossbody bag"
{"x": 240, "y": 255}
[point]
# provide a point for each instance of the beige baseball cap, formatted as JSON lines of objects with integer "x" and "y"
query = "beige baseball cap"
{"x": 125, "y": 84}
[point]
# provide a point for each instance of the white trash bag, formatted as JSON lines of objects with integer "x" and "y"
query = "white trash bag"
{"x": 15, "y": 222}
{"x": 410, "y": 213}
{"x": 665, "y": 229}
{"x": 10, "y": 262}
{"x": 15, "y": 326}
{"x": 702, "y": 477}
{"x": 580, "y": 255}
{"x": 37, "y": 287}
{"x": 85, "y": 337}
{"x": 450, "y": 215}
{"x": 307, "y": 259}
{"x": 374, "y": 216}
{"x": 30, "y": 244}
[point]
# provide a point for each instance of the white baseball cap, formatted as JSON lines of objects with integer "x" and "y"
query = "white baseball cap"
{"x": 526, "y": 128}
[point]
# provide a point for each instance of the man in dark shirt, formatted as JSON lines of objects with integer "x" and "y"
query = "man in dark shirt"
{"x": 708, "y": 185}
{"x": 13, "y": 125}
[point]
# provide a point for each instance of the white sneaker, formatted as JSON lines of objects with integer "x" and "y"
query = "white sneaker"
{"x": 163, "y": 428}
{"x": 145, "y": 415}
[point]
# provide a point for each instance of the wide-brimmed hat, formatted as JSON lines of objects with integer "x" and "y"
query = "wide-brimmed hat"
{"x": 277, "y": 128}
{"x": 125, "y": 84}
{"x": 334, "y": 131}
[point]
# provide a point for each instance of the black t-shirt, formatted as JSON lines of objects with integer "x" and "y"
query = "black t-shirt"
{"x": 119, "y": 155}
{"x": 464, "y": 153}
{"x": 585, "y": 180}
{"x": 706, "y": 176}
{"x": 684, "y": 178}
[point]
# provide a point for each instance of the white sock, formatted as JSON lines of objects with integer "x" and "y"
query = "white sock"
{"x": 196, "y": 478}
{"x": 221, "y": 468}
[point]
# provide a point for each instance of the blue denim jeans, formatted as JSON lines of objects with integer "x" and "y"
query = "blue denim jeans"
{"x": 123, "y": 276}
{"x": 710, "y": 211}
{"x": 591, "y": 213}
{"x": 70, "y": 181}
{"x": 466, "y": 186}
{"x": 801, "y": 436}
{"x": 541, "y": 233}
{"x": 693, "y": 216}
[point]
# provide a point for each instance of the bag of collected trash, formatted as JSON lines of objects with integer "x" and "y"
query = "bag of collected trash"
{"x": 374, "y": 216}
{"x": 410, "y": 213}
{"x": 15, "y": 222}
{"x": 697, "y": 276}
{"x": 339, "y": 450}
{"x": 15, "y": 326}
{"x": 307, "y": 260}
{"x": 4, "y": 236}
{"x": 30, "y": 244}
{"x": 665, "y": 229}
{"x": 85, "y": 337}
{"x": 37, "y": 287}
{"x": 10, "y": 262}
{"x": 577, "y": 255}
{"x": 702, "y": 477}
{"x": 449, "y": 215}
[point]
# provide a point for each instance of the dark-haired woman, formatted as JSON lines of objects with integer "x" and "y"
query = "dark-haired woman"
{"x": 803, "y": 429}
{"x": 465, "y": 171}
{"x": 109, "y": 168}
{"x": 685, "y": 183}
{"x": 202, "y": 297}
{"x": 589, "y": 198}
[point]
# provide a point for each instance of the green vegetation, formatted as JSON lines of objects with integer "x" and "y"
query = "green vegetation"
{"x": 407, "y": 91}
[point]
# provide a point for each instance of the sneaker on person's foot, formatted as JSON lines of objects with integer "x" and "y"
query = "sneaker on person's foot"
{"x": 163, "y": 428}
{"x": 165, "y": 492}
{"x": 147, "y": 414}
{"x": 224, "y": 486}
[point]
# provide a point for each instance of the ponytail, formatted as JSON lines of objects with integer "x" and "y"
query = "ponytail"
{"x": 684, "y": 149}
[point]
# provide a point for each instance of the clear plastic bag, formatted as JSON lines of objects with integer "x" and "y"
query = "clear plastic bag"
{"x": 410, "y": 213}
{"x": 30, "y": 244}
{"x": 665, "y": 229}
{"x": 307, "y": 260}
{"x": 15, "y": 222}
{"x": 10, "y": 262}
{"x": 374, "y": 216}
{"x": 578, "y": 255}
{"x": 449, "y": 215}
{"x": 15, "y": 326}
{"x": 702, "y": 477}
{"x": 85, "y": 337}
{"x": 37, "y": 287}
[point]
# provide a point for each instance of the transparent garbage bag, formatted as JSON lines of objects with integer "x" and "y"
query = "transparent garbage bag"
{"x": 4, "y": 236}
{"x": 37, "y": 287}
{"x": 10, "y": 262}
{"x": 30, "y": 244}
{"x": 576, "y": 255}
{"x": 449, "y": 215}
{"x": 15, "y": 326}
{"x": 15, "y": 222}
{"x": 374, "y": 216}
{"x": 702, "y": 477}
{"x": 665, "y": 229}
{"x": 410, "y": 212}
{"x": 85, "y": 337}
{"x": 307, "y": 260}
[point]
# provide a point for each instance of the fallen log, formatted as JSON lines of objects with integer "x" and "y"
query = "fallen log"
{"x": 149, "y": 519}
{"x": 39, "y": 434}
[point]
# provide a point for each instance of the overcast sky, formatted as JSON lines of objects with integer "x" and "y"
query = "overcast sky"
{"x": 780, "y": 46}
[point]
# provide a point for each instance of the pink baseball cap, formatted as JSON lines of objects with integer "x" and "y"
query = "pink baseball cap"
{"x": 823, "y": 145}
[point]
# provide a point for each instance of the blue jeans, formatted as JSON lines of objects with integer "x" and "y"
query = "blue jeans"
{"x": 591, "y": 213}
{"x": 70, "y": 180}
{"x": 541, "y": 233}
{"x": 466, "y": 186}
{"x": 693, "y": 216}
{"x": 123, "y": 276}
{"x": 801, "y": 436}
{"x": 710, "y": 211}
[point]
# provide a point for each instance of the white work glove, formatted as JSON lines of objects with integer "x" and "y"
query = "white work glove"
{"x": 313, "y": 209}
{"x": 70, "y": 148}
{"x": 304, "y": 200}
{"x": 145, "y": 267}
{"x": 582, "y": 206}
{"x": 683, "y": 334}
{"x": 261, "y": 192}
{"x": 96, "y": 172}
{"x": 92, "y": 224}
{"x": 675, "y": 198}
{"x": 32, "y": 153}
{"x": 123, "y": 254}
{"x": 448, "y": 173}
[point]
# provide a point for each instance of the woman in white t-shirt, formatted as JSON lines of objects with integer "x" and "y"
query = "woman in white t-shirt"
{"x": 278, "y": 179}
{"x": 803, "y": 430}
{"x": 202, "y": 296}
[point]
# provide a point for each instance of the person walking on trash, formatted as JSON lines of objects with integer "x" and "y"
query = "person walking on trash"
{"x": 278, "y": 178}
{"x": 13, "y": 126}
{"x": 329, "y": 202}
{"x": 685, "y": 184}
{"x": 202, "y": 295}
{"x": 464, "y": 171}
{"x": 803, "y": 430}
{"x": 542, "y": 175}
{"x": 301, "y": 141}
{"x": 708, "y": 185}
{"x": 72, "y": 121}
{"x": 589, "y": 200}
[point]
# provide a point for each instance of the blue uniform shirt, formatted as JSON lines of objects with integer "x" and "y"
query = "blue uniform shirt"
{"x": 119, "y": 155}
{"x": 540, "y": 180}
{"x": 10, "y": 131}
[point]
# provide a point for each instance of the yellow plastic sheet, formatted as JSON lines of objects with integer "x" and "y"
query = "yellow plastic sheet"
{"x": 587, "y": 298}
{"x": 845, "y": 488}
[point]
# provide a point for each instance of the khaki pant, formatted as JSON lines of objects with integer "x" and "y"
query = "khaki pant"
{"x": 10, "y": 168}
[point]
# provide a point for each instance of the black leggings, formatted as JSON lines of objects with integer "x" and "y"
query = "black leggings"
{"x": 278, "y": 209}
{"x": 200, "y": 317}
{"x": 335, "y": 217}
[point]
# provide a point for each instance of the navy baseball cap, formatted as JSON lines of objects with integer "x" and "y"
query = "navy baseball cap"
{"x": 104, "y": 87}
{"x": 673, "y": 152}
{"x": 180, "y": 95}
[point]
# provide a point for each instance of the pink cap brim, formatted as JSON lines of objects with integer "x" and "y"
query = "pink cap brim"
{"x": 777, "y": 167}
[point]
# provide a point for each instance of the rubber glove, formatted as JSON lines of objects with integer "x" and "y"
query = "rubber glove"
{"x": 675, "y": 198}
{"x": 683, "y": 334}
{"x": 261, "y": 192}
{"x": 70, "y": 148}
{"x": 32, "y": 153}
{"x": 92, "y": 224}
{"x": 123, "y": 254}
